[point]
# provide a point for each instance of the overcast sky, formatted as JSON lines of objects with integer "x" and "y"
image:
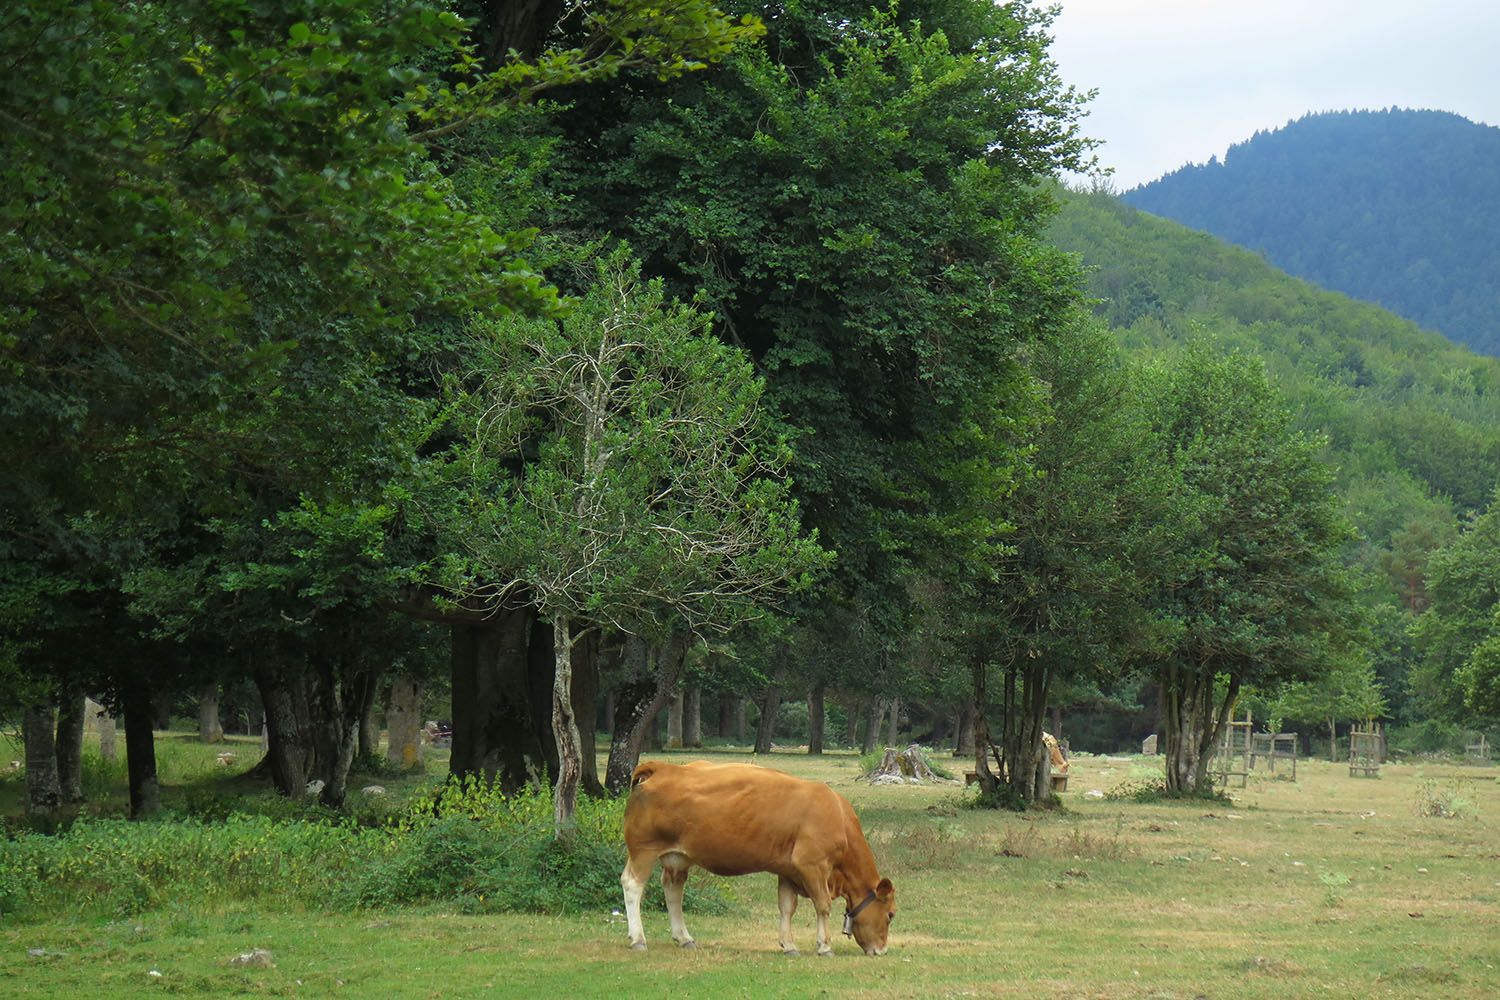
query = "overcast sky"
{"x": 1180, "y": 80}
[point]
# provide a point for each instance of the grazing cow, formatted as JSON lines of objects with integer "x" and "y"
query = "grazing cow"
{"x": 734, "y": 819}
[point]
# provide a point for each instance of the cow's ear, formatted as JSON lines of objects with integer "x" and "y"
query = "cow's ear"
{"x": 884, "y": 891}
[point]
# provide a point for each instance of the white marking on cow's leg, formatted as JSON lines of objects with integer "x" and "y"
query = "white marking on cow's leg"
{"x": 786, "y": 902}
{"x": 825, "y": 949}
{"x": 634, "y": 884}
{"x": 674, "y": 873}
{"x": 815, "y": 882}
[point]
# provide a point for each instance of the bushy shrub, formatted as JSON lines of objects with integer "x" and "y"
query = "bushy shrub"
{"x": 1428, "y": 736}
{"x": 468, "y": 843}
{"x": 462, "y": 844}
{"x": 1451, "y": 800}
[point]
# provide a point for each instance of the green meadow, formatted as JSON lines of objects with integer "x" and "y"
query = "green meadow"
{"x": 1329, "y": 885}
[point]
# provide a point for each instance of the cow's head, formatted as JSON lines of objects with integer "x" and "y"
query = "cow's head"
{"x": 870, "y": 920}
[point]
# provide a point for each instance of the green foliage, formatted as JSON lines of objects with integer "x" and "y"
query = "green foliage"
{"x": 783, "y": 188}
{"x": 1445, "y": 800}
{"x": 1396, "y": 207}
{"x": 1430, "y": 736}
{"x": 652, "y": 489}
{"x": 463, "y": 845}
{"x": 1459, "y": 635}
{"x": 1410, "y": 418}
{"x": 1411, "y": 422}
{"x": 1256, "y": 581}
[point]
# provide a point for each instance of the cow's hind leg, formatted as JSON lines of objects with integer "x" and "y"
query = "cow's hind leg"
{"x": 633, "y": 881}
{"x": 674, "y": 873}
{"x": 786, "y": 901}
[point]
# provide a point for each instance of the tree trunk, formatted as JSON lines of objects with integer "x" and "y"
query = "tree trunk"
{"x": 140, "y": 750}
{"x": 161, "y": 711}
{"x": 653, "y": 741}
{"x": 340, "y": 697}
{"x": 1192, "y": 725}
{"x": 210, "y": 729}
{"x": 565, "y": 733}
{"x": 70, "y": 721}
{"x": 891, "y": 739}
{"x": 1042, "y": 787}
{"x": 873, "y": 715}
{"x": 938, "y": 721}
{"x": 585, "y": 708}
{"x": 105, "y": 724}
{"x": 651, "y": 677}
{"x": 1025, "y": 713}
{"x": 770, "y": 707}
{"x": 403, "y": 723}
{"x": 1333, "y": 742}
{"x": 43, "y": 795}
{"x": 521, "y": 26}
{"x": 369, "y": 731}
{"x": 815, "y": 719}
{"x": 963, "y": 738}
{"x": 979, "y": 673}
{"x": 727, "y": 704}
{"x": 851, "y": 723}
{"x": 495, "y": 733}
{"x": 674, "y": 720}
{"x": 741, "y": 719}
{"x": 692, "y": 719}
{"x": 289, "y": 750}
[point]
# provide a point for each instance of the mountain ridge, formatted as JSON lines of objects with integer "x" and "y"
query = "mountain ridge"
{"x": 1397, "y": 207}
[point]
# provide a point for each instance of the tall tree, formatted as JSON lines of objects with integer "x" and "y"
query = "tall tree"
{"x": 649, "y": 494}
{"x": 1254, "y": 590}
{"x": 1459, "y": 634}
{"x": 857, "y": 202}
{"x": 1062, "y": 603}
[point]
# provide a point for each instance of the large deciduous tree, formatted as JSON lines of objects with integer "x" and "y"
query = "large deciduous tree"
{"x": 858, "y": 202}
{"x": 1253, "y": 589}
{"x": 1062, "y": 603}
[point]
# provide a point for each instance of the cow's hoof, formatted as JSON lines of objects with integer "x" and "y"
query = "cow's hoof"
{"x": 689, "y": 943}
{"x": 790, "y": 952}
{"x": 825, "y": 953}
{"x": 638, "y": 946}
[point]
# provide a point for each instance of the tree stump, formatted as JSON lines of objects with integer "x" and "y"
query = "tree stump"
{"x": 903, "y": 767}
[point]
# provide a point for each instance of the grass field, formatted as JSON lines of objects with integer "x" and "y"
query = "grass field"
{"x": 1330, "y": 886}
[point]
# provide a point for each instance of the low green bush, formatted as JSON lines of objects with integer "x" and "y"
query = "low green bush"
{"x": 461, "y": 844}
{"x": 1432, "y": 736}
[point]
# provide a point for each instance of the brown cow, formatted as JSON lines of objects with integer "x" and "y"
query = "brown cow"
{"x": 733, "y": 819}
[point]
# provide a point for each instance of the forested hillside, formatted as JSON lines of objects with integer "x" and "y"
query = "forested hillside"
{"x": 1395, "y": 207}
{"x": 1412, "y": 420}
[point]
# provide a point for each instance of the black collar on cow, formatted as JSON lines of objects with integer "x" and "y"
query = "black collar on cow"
{"x": 849, "y": 914}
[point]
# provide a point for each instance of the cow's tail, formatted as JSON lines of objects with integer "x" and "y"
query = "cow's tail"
{"x": 642, "y": 771}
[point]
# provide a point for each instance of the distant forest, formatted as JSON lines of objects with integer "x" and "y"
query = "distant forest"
{"x": 1396, "y": 207}
{"x": 1412, "y": 422}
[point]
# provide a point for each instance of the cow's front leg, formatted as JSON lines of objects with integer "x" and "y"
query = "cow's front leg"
{"x": 825, "y": 947}
{"x": 786, "y": 902}
{"x": 815, "y": 883}
{"x": 633, "y": 881}
{"x": 674, "y": 873}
